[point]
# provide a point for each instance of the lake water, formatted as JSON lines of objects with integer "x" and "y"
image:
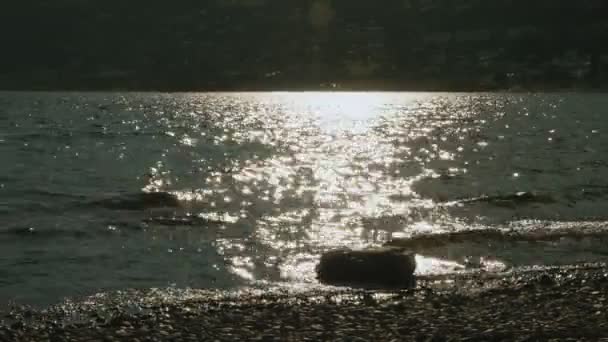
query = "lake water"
{"x": 268, "y": 181}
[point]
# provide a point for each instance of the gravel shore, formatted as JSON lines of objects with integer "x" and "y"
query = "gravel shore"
{"x": 561, "y": 304}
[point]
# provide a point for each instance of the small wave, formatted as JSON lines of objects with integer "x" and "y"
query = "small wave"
{"x": 181, "y": 221}
{"x": 53, "y": 194}
{"x": 140, "y": 201}
{"x": 490, "y": 250}
{"x": 510, "y": 200}
{"x": 492, "y": 236}
{"x": 591, "y": 192}
{"x": 47, "y": 233}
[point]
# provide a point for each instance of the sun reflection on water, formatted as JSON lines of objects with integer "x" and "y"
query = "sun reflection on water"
{"x": 320, "y": 170}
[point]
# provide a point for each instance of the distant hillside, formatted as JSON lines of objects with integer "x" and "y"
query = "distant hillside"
{"x": 263, "y": 44}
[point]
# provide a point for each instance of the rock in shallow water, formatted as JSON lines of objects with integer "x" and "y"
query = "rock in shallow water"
{"x": 378, "y": 267}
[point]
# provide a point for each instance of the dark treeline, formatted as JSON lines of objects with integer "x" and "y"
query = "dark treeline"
{"x": 260, "y": 44}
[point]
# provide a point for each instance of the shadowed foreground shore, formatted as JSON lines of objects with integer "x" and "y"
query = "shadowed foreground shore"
{"x": 526, "y": 305}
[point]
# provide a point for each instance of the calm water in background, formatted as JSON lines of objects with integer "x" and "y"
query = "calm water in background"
{"x": 268, "y": 181}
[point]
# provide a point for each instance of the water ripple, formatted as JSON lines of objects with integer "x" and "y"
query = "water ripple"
{"x": 254, "y": 186}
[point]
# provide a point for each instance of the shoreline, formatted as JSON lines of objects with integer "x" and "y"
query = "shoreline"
{"x": 311, "y": 90}
{"x": 532, "y": 304}
{"x": 337, "y": 86}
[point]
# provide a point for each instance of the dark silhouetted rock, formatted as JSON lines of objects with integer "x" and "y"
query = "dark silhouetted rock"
{"x": 378, "y": 267}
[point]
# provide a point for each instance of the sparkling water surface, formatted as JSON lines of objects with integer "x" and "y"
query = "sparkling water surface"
{"x": 265, "y": 182}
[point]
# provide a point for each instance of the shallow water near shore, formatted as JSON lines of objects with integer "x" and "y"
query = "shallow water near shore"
{"x": 105, "y": 191}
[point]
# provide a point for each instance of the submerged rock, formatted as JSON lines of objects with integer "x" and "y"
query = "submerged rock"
{"x": 377, "y": 267}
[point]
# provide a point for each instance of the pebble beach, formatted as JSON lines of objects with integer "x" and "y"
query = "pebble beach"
{"x": 557, "y": 303}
